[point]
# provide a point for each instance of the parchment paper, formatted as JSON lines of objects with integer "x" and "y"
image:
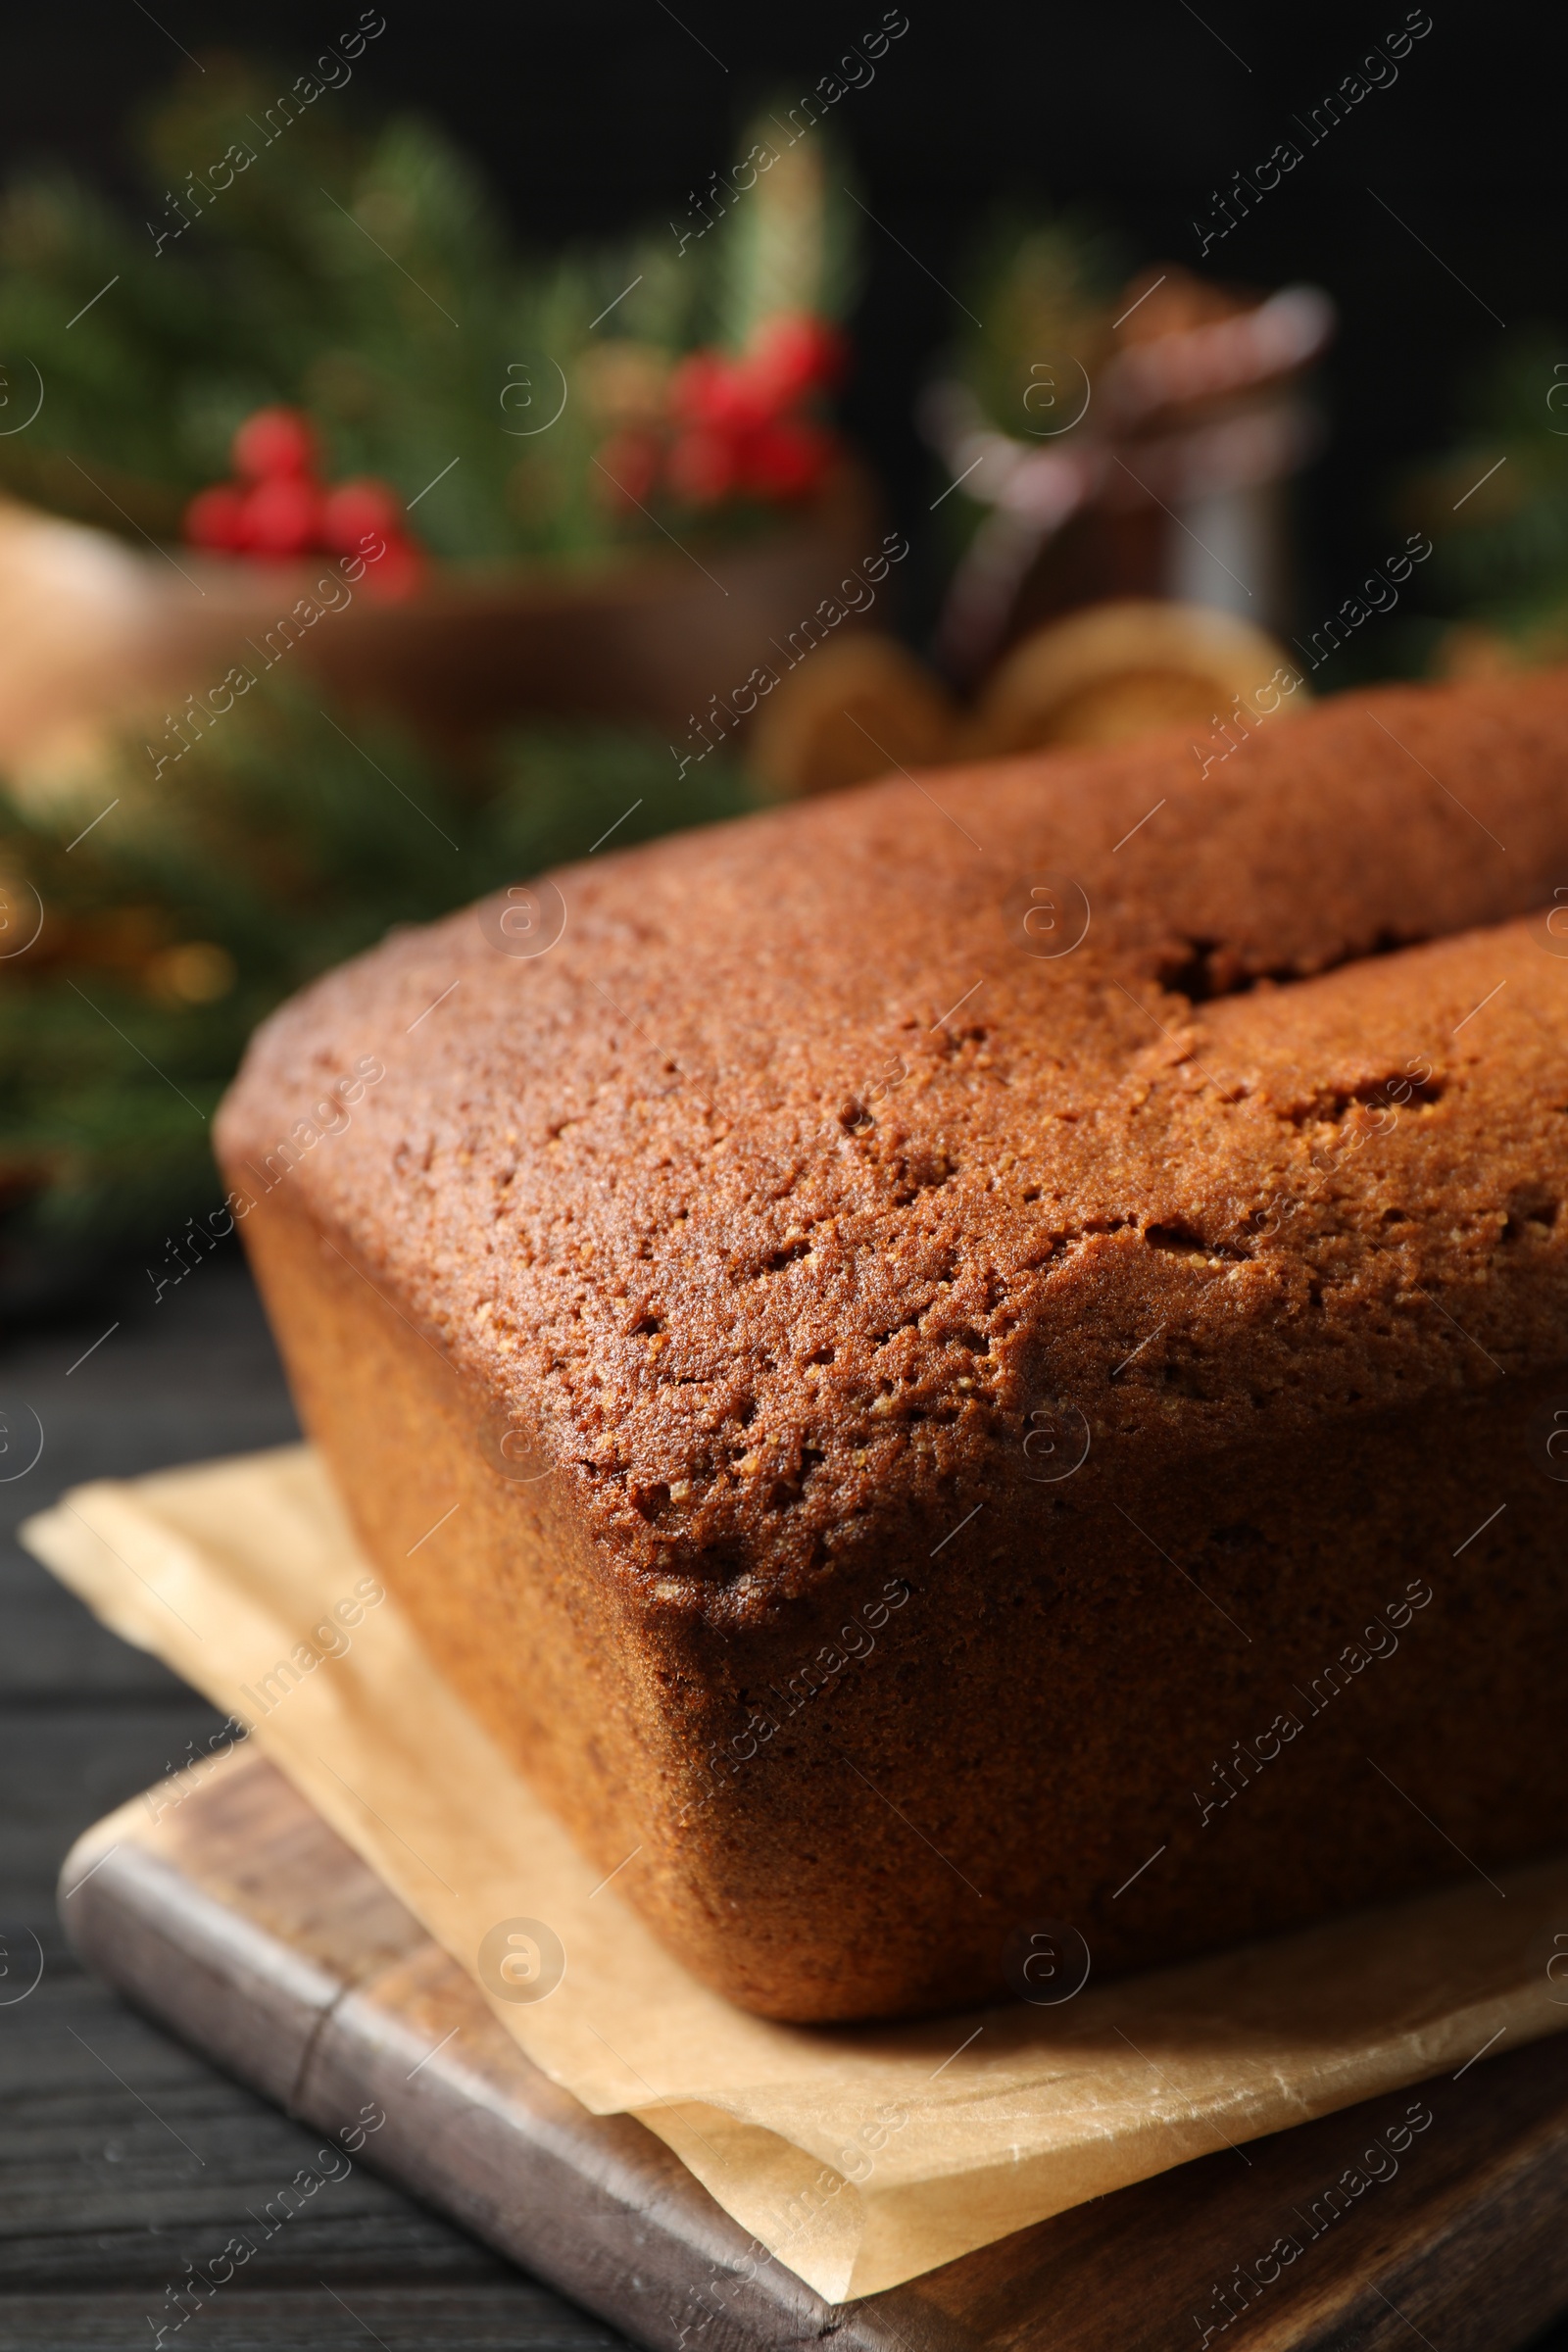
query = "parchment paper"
{"x": 859, "y": 2156}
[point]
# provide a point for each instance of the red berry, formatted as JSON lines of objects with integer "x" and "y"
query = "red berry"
{"x": 786, "y": 460}
{"x": 214, "y": 519}
{"x": 793, "y": 353}
{"x": 397, "y": 571}
{"x": 356, "y": 508}
{"x": 274, "y": 442}
{"x": 701, "y": 468}
{"x": 280, "y": 518}
{"x": 715, "y": 393}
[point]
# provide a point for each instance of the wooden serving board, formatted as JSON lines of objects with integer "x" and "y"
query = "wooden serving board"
{"x": 242, "y": 1923}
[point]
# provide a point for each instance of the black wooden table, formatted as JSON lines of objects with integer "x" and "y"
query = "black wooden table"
{"x": 121, "y": 2156}
{"x": 124, "y": 2158}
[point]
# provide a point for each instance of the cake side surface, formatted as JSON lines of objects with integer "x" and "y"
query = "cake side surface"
{"x": 1245, "y": 1694}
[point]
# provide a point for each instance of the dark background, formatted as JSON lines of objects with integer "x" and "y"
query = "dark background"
{"x": 593, "y": 118}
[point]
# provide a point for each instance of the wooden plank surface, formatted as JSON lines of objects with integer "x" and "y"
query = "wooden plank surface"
{"x": 243, "y": 1921}
{"x": 101, "y": 2206}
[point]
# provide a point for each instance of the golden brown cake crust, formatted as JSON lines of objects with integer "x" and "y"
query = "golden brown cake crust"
{"x": 800, "y": 1207}
{"x": 722, "y": 1193}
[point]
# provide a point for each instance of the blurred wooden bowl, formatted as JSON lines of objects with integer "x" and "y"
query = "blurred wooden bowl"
{"x": 94, "y": 632}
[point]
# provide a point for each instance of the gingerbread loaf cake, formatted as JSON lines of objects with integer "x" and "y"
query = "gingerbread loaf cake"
{"x": 985, "y": 1352}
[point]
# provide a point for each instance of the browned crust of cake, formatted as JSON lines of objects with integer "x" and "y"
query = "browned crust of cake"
{"x": 803, "y": 1215}
{"x": 665, "y": 1189}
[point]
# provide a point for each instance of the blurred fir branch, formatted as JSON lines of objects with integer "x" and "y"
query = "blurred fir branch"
{"x": 362, "y": 271}
{"x": 285, "y": 839}
{"x": 1044, "y": 285}
{"x": 1496, "y": 507}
